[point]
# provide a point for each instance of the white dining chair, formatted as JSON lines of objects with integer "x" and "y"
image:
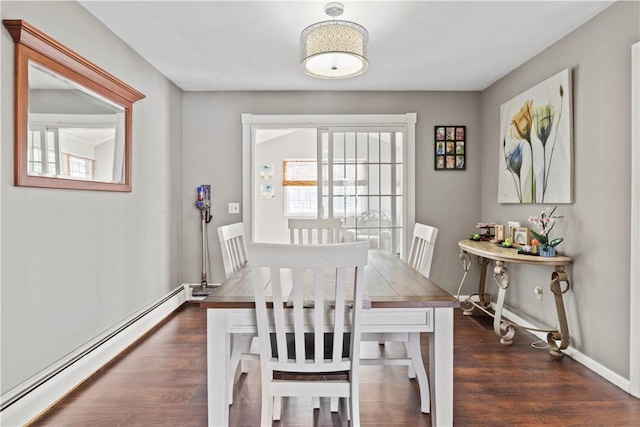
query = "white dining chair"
{"x": 314, "y": 300}
{"x": 312, "y": 231}
{"x": 420, "y": 258}
{"x": 422, "y": 246}
{"x": 233, "y": 246}
{"x": 234, "y": 257}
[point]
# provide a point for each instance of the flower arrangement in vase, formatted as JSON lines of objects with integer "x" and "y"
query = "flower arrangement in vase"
{"x": 544, "y": 225}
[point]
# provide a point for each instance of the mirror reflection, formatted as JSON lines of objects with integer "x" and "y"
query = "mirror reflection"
{"x": 74, "y": 133}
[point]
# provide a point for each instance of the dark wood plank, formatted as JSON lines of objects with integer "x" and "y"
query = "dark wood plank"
{"x": 161, "y": 381}
{"x": 391, "y": 283}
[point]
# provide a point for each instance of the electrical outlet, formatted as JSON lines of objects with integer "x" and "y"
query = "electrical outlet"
{"x": 234, "y": 208}
{"x": 538, "y": 292}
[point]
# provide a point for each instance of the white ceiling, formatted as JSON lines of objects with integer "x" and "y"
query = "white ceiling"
{"x": 413, "y": 45}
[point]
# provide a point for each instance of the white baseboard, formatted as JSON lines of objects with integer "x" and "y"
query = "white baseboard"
{"x": 40, "y": 392}
{"x": 579, "y": 357}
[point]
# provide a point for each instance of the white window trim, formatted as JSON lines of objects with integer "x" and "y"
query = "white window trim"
{"x": 253, "y": 122}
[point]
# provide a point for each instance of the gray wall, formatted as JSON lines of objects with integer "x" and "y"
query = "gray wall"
{"x": 270, "y": 223}
{"x": 75, "y": 263}
{"x": 213, "y": 155}
{"x": 596, "y": 226}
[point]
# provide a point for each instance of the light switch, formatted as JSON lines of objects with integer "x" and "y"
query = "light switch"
{"x": 234, "y": 208}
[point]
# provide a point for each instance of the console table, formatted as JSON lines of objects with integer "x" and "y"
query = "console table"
{"x": 486, "y": 252}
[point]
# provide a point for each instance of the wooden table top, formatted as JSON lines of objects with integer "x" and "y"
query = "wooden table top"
{"x": 493, "y": 251}
{"x": 390, "y": 283}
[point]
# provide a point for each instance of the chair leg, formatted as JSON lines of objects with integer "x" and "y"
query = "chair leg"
{"x": 244, "y": 366}
{"x": 249, "y": 345}
{"x": 354, "y": 404}
{"x": 316, "y": 402}
{"x": 413, "y": 350}
{"x": 335, "y": 403}
{"x": 233, "y": 366}
{"x": 411, "y": 372}
{"x": 241, "y": 344}
{"x": 266, "y": 412}
{"x": 277, "y": 407}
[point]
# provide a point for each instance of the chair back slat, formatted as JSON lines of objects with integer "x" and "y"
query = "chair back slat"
{"x": 308, "y": 231}
{"x": 298, "y": 316}
{"x": 233, "y": 247}
{"x": 325, "y": 280}
{"x": 422, "y": 247}
{"x": 318, "y": 315}
{"x": 340, "y": 302}
{"x": 278, "y": 314}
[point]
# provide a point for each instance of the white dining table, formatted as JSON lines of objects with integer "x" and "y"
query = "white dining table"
{"x": 402, "y": 301}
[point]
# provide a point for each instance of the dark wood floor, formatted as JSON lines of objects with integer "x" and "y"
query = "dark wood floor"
{"x": 161, "y": 381}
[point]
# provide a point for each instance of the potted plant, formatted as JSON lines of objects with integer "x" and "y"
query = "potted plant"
{"x": 544, "y": 225}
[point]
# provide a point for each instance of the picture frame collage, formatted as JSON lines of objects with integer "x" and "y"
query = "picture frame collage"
{"x": 450, "y": 151}
{"x": 517, "y": 236}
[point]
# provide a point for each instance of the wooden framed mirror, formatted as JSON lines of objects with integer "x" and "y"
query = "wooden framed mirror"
{"x": 72, "y": 119}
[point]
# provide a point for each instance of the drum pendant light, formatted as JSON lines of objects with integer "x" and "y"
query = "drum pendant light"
{"x": 334, "y": 49}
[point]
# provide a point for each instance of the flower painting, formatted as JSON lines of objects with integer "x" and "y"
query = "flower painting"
{"x": 536, "y": 144}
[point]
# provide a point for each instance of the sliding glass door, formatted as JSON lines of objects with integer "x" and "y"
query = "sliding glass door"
{"x": 351, "y": 167}
{"x": 361, "y": 182}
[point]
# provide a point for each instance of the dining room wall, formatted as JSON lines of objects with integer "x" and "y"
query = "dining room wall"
{"x": 75, "y": 263}
{"x": 596, "y": 225}
{"x": 213, "y": 155}
{"x": 271, "y": 221}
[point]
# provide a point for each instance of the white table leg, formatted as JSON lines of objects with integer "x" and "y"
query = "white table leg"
{"x": 441, "y": 367}
{"x": 218, "y": 358}
{"x": 417, "y": 365}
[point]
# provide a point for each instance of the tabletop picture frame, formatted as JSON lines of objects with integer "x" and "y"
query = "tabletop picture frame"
{"x": 510, "y": 226}
{"x": 450, "y": 147}
{"x": 520, "y": 236}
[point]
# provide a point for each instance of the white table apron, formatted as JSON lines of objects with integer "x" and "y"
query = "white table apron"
{"x": 437, "y": 321}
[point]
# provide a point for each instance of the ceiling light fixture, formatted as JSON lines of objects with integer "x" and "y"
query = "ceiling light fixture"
{"x": 334, "y": 49}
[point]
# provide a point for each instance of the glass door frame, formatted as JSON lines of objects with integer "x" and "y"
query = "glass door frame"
{"x": 253, "y": 122}
{"x": 360, "y": 146}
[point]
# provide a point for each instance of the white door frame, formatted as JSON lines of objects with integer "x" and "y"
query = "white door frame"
{"x": 634, "y": 339}
{"x": 252, "y": 122}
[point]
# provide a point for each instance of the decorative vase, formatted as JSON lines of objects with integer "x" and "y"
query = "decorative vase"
{"x": 548, "y": 251}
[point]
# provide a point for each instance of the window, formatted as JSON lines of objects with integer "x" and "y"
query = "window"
{"x": 300, "y": 182}
{"x": 47, "y": 139}
{"x": 43, "y": 139}
{"x": 78, "y": 167}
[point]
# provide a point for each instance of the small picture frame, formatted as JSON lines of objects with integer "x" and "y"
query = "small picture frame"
{"x": 450, "y": 150}
{"x": 520, "y": 236}
{"x": 499, "y": 233}
{"x": 510, "y": 226}
{"x": 266, "y": 171}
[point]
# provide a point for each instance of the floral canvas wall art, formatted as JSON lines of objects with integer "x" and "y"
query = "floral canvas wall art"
{"x": 536, "y": 144}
